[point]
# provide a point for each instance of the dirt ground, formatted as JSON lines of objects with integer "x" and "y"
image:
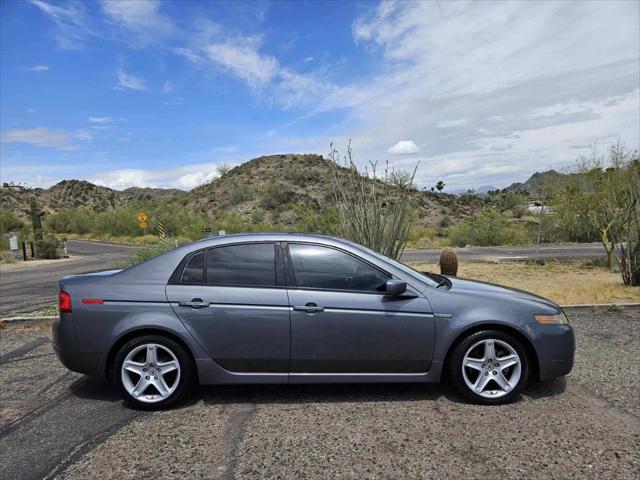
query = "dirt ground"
{"x": 579, "y": 283}
{"x": 59, "y": 424}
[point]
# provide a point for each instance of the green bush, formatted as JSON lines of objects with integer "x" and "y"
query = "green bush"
{"x": 47, "y": 247}
{"x": 75, "y": 220}
{"x": 309, "y": 220}
{"x": 276, "y": 194}
{"x": 240, "y": 193}
{"x": 9, "y": 222}
{"x": 487, "y": 228}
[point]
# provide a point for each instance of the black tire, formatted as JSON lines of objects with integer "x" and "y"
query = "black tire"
{"x": 184, "y": 382}
{"x": 455, "y": 370}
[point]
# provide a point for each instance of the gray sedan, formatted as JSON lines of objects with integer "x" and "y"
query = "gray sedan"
{"x": 295, "y": 308}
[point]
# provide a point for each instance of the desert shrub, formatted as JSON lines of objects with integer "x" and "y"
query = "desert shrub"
{"x": 120, "y": 222}
{"x": 487, "y": 228}
{"x": 47, "y": 247}
{"x": 234, "y": 222}
{"x": 240, "y": 193}
{"x": 309, "y": 220}
{"x": 150, "y": 251}
{"x": 294, "y": 172}
{"x": 9, "y": 222}
{"x": 445, "y": 221}
{"x": 276, "y": 194}
{"x": 74, "y": 220}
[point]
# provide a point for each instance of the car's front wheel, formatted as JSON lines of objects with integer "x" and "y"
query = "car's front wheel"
{"x": 489, "y": 367}
{"x": 153, "y": 372}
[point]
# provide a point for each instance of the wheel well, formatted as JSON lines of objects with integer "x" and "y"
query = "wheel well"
{"x": 139, "y": 333}
{"x": 532, "y": 357}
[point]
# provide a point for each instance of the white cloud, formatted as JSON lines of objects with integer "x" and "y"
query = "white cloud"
{"x": 101, "y": 119}
{"x": 141, "y": 19}
{"x": 127, "y": 81}
{"x": 167, "y": 87}
{"x": 72, "y": 21}
{"x": 404, "y": 147}
{"x": 241, "y": 57}
{"x": 184, "y": 177}
{"x": 39, "y": 68}
{"x": 45, "y": 137}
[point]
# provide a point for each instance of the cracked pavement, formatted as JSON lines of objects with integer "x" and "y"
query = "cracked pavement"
{"x": 58, "y": 424}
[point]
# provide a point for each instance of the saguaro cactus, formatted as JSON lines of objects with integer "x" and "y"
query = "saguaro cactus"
{"x": 448, "y": 262}
{"x": 36, "y": 215}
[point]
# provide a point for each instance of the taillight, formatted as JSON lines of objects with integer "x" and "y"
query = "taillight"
{"x": 64, "y": 302}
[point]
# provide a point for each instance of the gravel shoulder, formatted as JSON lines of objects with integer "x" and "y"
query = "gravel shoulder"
{"x": 584, "y": 426}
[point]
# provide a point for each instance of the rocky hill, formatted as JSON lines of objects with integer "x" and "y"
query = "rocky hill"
{"x": 537, "y": 185}
{"x": 272, "y": 188}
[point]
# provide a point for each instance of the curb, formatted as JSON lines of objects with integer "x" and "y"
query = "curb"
{"x": 12, "y": 321}
{"x": 600, "y": 307}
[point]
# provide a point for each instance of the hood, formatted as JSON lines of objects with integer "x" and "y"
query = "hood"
{"x": 473, "y": 286}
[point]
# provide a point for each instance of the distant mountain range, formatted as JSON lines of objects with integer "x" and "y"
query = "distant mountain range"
{"x": 536, "y": 186}
{"x": 259, "y": 187}
{"x": 271, "y": 187}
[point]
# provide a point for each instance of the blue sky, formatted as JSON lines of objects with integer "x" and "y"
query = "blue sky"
{"x": 157, "y": 93}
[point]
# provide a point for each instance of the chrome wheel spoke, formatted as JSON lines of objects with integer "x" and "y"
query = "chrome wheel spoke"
{"x": 489, "y": 350}
{"x": 507, "y": 361}
{"x": 152, "y": 357}
{"x": 167, "y": 367}
{"x": 475, "y": 363}
{"x": 481, "y": 383}
{"x": 140, "y": 387}
{"x": 134, "y": 367}
{"x": 502, "y": 382}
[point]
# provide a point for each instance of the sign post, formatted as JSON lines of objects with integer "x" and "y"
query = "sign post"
{"x": 13, "y": 246}
{"x": 142, "y": 221}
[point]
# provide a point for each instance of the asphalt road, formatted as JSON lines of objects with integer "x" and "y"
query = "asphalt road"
{"x": 560, "y": 252}
{"x": 26, "y": 286}
{"x": 57, "y": 424}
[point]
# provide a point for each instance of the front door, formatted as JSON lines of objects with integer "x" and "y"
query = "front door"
{"x": 233, "y": 300}
{"x": 342, "y": 322}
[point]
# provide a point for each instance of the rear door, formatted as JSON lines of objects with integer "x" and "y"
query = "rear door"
{"x": 233, "y": 300}
{"x": 342, "y": 322}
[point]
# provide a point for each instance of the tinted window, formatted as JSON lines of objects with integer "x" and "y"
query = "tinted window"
{"x": 322, "y": 267}
{"x": 194, "y": 270}
{"x": 251, "y": 264}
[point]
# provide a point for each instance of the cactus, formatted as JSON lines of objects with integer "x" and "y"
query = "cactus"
{"x": 448, "y": 262}
{"x": 36, "y": 221}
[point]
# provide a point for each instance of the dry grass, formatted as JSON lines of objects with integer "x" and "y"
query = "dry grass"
{"x": 563, "y": 282}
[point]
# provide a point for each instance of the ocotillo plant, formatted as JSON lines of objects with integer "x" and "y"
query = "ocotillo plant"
{"x": 448, "y": 262}
{"x": 373, "y": 211}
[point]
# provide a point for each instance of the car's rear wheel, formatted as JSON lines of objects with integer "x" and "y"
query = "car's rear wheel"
{"x": 153, "y": 372}
{"x": 489, "y": 367}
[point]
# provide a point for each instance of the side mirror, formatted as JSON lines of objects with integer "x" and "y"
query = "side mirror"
{"x": 395, "y": 287}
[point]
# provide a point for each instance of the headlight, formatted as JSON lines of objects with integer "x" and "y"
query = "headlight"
{"x": 559, "y": 319}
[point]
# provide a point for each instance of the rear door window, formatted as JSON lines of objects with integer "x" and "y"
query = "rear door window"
{"x": 246, "y": 265}
{"x": 194, "y": 269}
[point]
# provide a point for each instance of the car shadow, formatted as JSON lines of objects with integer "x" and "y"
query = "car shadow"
{"x": 91, "y": 388}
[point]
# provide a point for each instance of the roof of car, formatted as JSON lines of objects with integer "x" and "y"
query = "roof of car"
{"x": 283, "y": 235}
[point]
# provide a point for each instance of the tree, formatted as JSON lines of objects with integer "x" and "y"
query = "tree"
{"x": 440, "y": 185}
{"x": 606, "y": 197}
{"x": 374, "y": 211}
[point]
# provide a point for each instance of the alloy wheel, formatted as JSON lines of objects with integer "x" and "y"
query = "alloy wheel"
{"x": 150, "y": 372}
{"x": 491, "y": 368}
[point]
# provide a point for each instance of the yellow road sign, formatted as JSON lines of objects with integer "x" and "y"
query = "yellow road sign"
{"x": 142, "y": 218}
{"x": 142, "y": 225}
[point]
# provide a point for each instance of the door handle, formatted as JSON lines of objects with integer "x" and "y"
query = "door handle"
{"x": 309, "y": 308}
{"x": 195, "y": 303}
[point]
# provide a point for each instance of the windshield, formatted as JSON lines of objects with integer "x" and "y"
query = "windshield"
{"x": 400, "y": 266}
